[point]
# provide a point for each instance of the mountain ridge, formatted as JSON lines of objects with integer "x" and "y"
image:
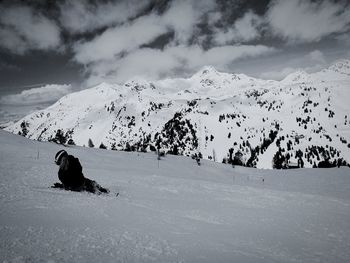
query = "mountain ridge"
{"x": 220, "y": 116}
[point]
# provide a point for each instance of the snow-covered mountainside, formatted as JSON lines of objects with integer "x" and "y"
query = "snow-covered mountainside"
{"x": 207, "y": 213}
{"x": 303, "y": 119}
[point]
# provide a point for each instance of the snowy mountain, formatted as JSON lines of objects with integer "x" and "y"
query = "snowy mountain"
{"x": 305, "y": 118}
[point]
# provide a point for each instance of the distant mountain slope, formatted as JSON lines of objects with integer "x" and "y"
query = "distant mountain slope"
{"x": 304, "y": 118}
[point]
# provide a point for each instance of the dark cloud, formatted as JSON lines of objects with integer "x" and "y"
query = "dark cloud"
{"x": 22, "y": 29}
{"x": 37, "y": 67}
{"x": 81, "y": 16}
{"x": 4, "y": 66}
{"x": 233, "y": 10}
{"x": 244, "y": 29}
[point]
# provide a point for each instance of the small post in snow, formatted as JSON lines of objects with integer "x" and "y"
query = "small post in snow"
{"x": 158, "y": 156}
{"x": 38, "y": 154}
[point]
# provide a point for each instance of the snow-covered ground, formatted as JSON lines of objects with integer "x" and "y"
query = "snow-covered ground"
{"x": 171, "y": 211}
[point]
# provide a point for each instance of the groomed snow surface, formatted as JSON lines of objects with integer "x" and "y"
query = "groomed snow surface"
{"x": 175, "y": 212}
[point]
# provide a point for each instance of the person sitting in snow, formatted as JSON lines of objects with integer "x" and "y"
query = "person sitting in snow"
{"x": 71, "y": 175}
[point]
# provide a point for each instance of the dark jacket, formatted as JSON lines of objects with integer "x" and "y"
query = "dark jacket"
{"x": 71, "y": 173}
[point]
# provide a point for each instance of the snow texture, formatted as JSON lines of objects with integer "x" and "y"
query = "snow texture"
{"x": 168, "y": 211}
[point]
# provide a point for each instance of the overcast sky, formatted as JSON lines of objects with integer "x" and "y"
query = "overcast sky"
{"x": 82, "y": 42}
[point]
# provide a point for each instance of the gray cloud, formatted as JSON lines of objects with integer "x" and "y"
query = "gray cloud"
{"x": 244, "y": 29}
{"x": 183, "y": 17}
{"x": 23, "y": 29}
{"x": 79, "y": 16}
{"x": 34, "y": 96}
{"x": 126, "y": 37}
{"x": 117, "y": 54}
{"x": 119, "y": 39}
{"x": 15, "y": 106}
{"x": 154, "y": 64}
{"x": 317, "y": 57}
{"x": 278, "y": 74}
{"x": 306, "y": 21}
{"x": 310, "y": 62}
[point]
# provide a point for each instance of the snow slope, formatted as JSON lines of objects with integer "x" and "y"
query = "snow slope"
{"x": 211, "y": 113}
{"x": 175, "y": 212}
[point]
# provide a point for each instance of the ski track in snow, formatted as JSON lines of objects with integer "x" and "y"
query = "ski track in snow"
{"x": 179, "y": 212}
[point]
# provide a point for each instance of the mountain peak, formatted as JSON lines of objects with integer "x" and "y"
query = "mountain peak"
{"x": 206, "y": 71}
{"x": 297, "y": 76}
{"x": 139, "y": 85}
{"x": 341, "y": 66}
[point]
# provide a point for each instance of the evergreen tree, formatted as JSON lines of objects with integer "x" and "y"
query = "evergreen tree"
{"x": 230, "y": 156}
{"x": 279, "y": 161}
{"x": 90, "y": 143}
{"x": 238, "y": 159}
{"x": 175, "y": 150}
{"x": 71, "y": 142}
{"x": 127, "y": 147}
{"x": 24, "y": 126}
{"x": 60, "y": 137}
{"x": 113, "y": 146}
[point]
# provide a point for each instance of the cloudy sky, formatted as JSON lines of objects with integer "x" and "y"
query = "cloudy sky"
{"x": 83, "y": 42}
